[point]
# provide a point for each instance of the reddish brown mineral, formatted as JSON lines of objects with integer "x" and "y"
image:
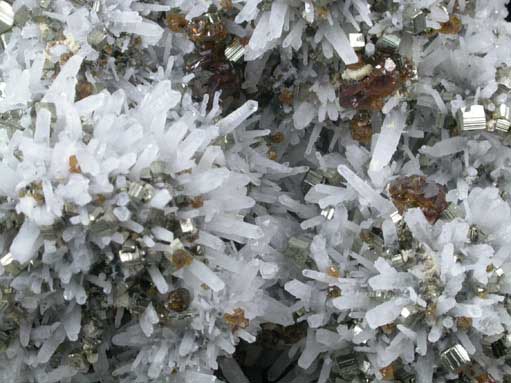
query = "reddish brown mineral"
{"x": 286, "y": 97}
{"x": 207, "y": 29}
{"x": 417, "y": 191}
{"x": 370, "y": 93}
{"x": 361, "y": 129}
{"x": 388, "y": 372}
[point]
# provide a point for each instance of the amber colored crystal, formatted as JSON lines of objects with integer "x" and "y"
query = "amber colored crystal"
{"x": 464, "y": 323}
{"x": 100, "y": 199}
{"x": 237, "y": 319}
{"x": 277, "y": 137}
{"x": 361, "y": 129}
{"x": 197, "y": 202}
{"x": 388, "y": 373}
{"x": 322, "y": 12}
{"x": 181, "y": 258}
{"x": 84, "y": 89}
{"x": 35, "y": 190}
{"x": 451, "y": 27}
{"x": 176, "y": 22}
{"x": 226, "y": 4}
{"x": 286, "y": 97}
{"x": 417, "y": 191}
{"x": 73, "y": 165}
{"x": 388, "y": 329}
{"x": 272, "y": 154}
{"x": 370, "y": 93}
{"x": 65, "y": 57}
{"x": 333, "y": 272}
{"x": 179, "y": 300}
{"x": 485, "y": 378}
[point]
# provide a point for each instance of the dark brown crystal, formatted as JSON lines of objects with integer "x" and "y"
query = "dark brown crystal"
{"x": 388, "y": 373}
{"x": 179, "y": 300}
{"x": 84, "y": 89}
{"x": 207, "y": 29}
{"x": 369, "y": 93}
{"x": 333, "y": 292}
{"x": 417, "y": 191}
{"x": 361, "y": 129}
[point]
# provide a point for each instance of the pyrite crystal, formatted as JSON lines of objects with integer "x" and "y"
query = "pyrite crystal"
{"x": 417, "y": 191}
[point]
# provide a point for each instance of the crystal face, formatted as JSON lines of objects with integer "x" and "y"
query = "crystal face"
{"x": 417, "y": 191}
{"x": 369, "y": 93}
{"x": 361, "y": 129}
{"x": 214, "y": 190}
{"x": 178, "y": 300}
{"x": 207, "y": 29}
{"x": 237, "y": 319}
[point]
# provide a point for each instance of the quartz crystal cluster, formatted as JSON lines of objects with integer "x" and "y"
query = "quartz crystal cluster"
{"x": 249, "y": 191}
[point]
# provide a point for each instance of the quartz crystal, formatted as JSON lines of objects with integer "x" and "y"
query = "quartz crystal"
{"x": 287, "y": 191}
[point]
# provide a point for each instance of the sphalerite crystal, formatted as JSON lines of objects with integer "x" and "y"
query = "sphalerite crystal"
{"x": 178, "y": 300}
{"x": 416, "y": 191}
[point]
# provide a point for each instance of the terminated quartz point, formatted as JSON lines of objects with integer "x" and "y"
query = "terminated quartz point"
{"x": 417, "y": 191}
{"x": 6, "y": 16}
{"x": 472, "y": 118}
{"x": 454, "y": 358}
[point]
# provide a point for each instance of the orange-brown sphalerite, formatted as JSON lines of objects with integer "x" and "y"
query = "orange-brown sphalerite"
{"x": 417, "y": 191}
{"x": 237, "y": 319}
